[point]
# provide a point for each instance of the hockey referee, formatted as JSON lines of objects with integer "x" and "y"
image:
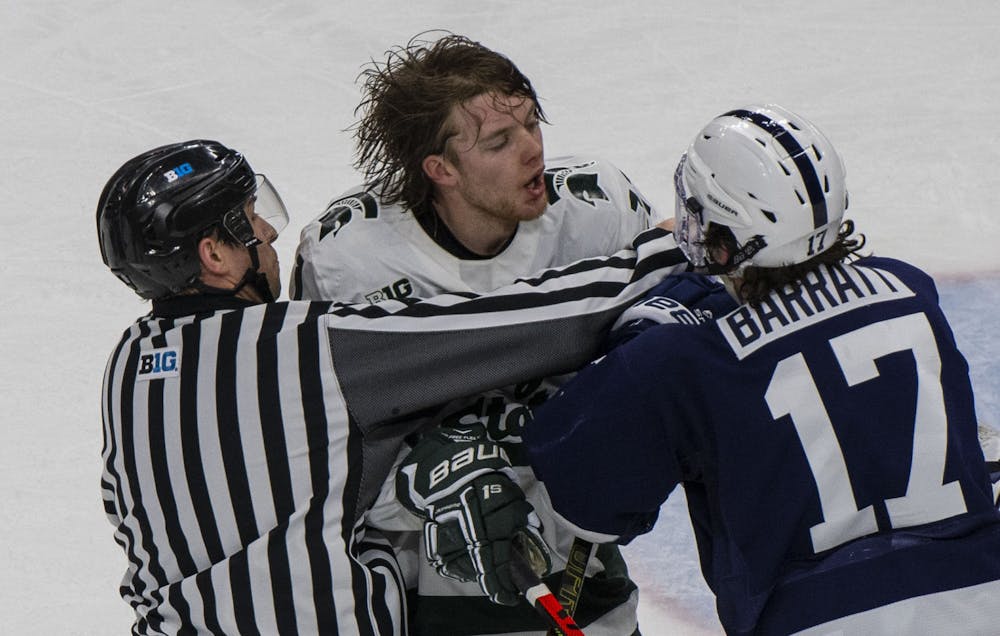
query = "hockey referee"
{"x": 245, "y": 440}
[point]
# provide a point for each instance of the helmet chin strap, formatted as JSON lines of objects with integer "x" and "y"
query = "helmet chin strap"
{"x": 256, "y": 279}
{"x": 735, "y": 260}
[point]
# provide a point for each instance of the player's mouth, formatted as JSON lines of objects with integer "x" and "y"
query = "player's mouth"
{"x": 536, "y": 185}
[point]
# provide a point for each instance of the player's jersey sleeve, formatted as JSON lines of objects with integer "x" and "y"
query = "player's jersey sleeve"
{"x": 474, "y": 344}
{"x": 394, "y": 359}
{"x": 334, "y": 260}
{"x": 607, "y": 406}
{"x": 616, "y": 405}
{"x": 312, "y": 278}
{"x": 598, "y": 209}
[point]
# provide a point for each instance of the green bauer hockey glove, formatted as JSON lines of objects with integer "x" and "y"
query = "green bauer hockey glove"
{"x": 462, "y": 484}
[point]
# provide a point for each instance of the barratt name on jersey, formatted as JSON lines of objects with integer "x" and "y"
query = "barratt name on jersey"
{"x": 826, "y": 292}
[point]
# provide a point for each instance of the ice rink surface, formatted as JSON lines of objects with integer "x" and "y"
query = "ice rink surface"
{"x": 908, "y": 92}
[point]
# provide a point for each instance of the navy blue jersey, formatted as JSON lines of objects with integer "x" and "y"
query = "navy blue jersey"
{"x": 826, "y": 442}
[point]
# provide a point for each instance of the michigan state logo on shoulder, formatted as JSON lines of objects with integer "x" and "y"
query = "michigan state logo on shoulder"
{"x": 342, "y": 210}
{"x": 164, "y": 362}
{"x": 580, "y": 181}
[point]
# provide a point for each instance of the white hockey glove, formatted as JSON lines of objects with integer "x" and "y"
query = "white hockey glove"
{"x": 462, "y": 484}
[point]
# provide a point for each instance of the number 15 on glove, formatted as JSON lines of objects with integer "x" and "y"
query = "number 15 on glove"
{"x": 462, "y": 484}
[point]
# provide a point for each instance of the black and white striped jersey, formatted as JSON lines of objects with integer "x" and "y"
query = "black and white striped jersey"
{"x": 243, "y": 445}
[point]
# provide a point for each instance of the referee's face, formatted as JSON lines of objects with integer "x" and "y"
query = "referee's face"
{"x": 269, "y": 265}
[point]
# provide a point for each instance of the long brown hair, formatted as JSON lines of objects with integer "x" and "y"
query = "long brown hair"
{"x": 756, "y": 283}
{"x": 404, "y": 115}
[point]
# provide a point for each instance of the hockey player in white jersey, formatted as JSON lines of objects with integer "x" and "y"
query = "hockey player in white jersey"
{"x": 459, "y": 198}
{"x": 365, "y": 249}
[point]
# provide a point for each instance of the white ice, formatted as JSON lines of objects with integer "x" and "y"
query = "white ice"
{"x": 908, "y": 91}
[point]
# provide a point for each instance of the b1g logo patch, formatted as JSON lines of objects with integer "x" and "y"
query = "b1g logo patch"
{"x": 176, "y": 173}
{"x": 159, "y": 363}
{"x": 402, "y": 288}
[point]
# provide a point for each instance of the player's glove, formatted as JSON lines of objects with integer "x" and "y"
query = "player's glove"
{"x": 689, "y": 299}
{"x": 462, "y": 484}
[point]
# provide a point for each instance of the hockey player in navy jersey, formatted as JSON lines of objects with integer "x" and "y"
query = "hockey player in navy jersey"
{"x": 813, "y": 404}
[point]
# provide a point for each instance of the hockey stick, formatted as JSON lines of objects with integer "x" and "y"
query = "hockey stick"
{"x": 572, "y": 578}
{"x": 540, "y": 596}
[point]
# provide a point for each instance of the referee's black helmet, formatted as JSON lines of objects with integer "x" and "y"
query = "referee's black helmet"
{"x": 158, "y": 205}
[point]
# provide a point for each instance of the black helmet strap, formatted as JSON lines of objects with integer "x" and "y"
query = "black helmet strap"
{"x": 253, "y": 277}
{"x": 257, "y": 278}
{"x": 237, "y": 225}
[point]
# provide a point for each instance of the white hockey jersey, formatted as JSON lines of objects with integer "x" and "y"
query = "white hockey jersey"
{"x": 360, "y": 249}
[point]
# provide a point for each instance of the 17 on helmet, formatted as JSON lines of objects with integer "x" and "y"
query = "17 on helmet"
{"x": 770, "y": 177}
{"x": 158, "y": 205}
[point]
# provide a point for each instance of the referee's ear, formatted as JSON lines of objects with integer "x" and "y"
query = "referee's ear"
{"x": 216, "y": 259}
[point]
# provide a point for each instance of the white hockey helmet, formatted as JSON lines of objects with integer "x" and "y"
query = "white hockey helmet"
{"x": 768, "y": 175}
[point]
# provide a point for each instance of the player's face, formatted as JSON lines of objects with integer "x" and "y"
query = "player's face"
{"x": 498, "y": 157}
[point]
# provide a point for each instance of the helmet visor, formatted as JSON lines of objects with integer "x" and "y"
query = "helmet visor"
{"x": 269, "y": 205}
{"x": 688, "y": 230}
{"x": 265, "y": 204}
